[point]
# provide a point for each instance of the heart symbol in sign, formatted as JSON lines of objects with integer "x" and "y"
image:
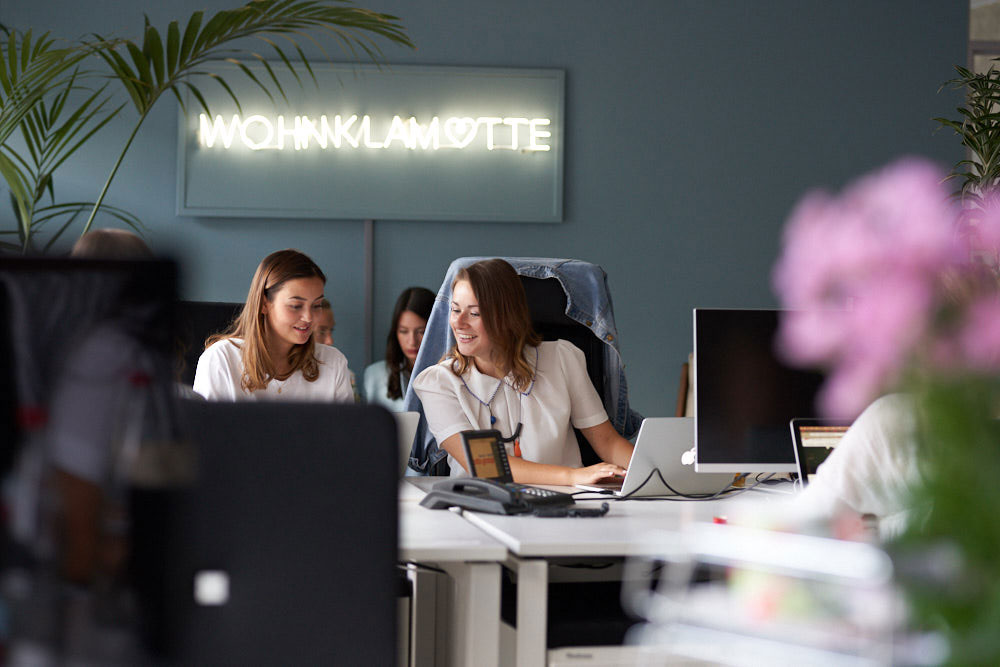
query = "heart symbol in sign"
{"x": 460, "y": 131}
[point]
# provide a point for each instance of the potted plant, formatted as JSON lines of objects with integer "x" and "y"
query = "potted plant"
{"x": 42, "y": 103}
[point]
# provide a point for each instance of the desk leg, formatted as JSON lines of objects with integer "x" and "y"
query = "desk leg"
{"x": 532, "y": 610}
{"x": 476, "y": 613}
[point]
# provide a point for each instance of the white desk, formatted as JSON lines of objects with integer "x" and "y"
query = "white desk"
{"x": 622, "y": 532}
{"x": 444, "y": 540}
{"x": 525, "y": 544}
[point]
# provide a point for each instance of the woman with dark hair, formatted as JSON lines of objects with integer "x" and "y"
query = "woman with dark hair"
{"x": 269, "y": 351}
{"x": 500, "y": 375}
{"x": 385, "y": 381}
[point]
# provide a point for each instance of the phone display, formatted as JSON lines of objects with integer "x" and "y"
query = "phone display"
{"x": 486, "y": 455}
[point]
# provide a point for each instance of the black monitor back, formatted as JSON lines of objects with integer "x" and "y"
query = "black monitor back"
{"x": 745, "y": 393}
{"x": 297, "y": 505}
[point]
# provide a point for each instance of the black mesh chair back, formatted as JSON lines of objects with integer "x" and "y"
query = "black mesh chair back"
{"x": 547, "y": 303}
{"x": 196, "y": 321}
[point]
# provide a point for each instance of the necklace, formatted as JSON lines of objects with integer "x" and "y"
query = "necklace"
{"x": 515, "y": 436}
{"x": 486, "y": 403}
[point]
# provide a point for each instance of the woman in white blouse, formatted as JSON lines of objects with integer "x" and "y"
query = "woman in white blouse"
{"x": 500, "y": 375}
{"x": 269, "y": 352}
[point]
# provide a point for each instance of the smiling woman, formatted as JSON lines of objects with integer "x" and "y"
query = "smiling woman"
{"x": 269, "y": 351}
{"x": 500, "y": 375}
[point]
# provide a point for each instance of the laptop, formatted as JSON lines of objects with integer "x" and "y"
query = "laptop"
{"x": 659, "y": 447}
{"x": 814, "y": 440}
{"x": 406, "y": 428}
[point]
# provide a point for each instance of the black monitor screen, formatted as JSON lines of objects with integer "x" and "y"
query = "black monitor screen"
{"x": 744, "y": 395}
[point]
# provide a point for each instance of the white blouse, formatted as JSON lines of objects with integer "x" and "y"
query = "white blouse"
{"x": 561, "y": 398}
{"x": 376, "y": 383}
{"x": 219, "y": 376}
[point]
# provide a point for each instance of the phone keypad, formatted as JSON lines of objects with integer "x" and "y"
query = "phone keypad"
{"x": 537, "y": 496}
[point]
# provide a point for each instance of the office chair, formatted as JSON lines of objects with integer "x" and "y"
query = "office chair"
{"x": 196, "y": 321}
{"x": 583, "y": 316}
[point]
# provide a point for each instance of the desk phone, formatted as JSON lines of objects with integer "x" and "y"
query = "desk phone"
{"x": 492, "y": 488}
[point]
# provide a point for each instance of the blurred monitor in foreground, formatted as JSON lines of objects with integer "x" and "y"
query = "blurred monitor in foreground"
{"x": 86, "y": 386}
{"x": 283, "y": 548}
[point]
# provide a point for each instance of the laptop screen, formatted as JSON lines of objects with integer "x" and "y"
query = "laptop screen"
{"x": 814, "y": 440}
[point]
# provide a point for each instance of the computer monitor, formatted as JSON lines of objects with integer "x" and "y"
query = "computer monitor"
{"x": 283, "y": 547}
{"x": 744, "y": 394}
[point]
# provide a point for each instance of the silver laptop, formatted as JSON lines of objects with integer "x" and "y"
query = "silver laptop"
{"x": 406, "y": 428}
{"x": 659, "y": 447}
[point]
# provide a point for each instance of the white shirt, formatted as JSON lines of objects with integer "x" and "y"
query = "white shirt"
{"x": 561, "y": 398}
{"x": 376, "y": 384}
{"x": 219, "y": 376}
{"x": 873, "y": 469}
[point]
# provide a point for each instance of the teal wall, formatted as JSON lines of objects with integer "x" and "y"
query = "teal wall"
{"x": 692, "y": 128}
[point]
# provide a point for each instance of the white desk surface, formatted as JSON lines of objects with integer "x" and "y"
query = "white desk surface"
{"x": 623, "y": 531}
{"x": 440, "y": 535}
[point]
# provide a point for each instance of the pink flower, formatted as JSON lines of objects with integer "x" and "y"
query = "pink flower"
{"x": 979, "y": 337}
{"x": 861, "y": 274}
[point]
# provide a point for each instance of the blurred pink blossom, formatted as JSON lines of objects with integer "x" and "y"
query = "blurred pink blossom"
{"x": 862, "y": 276}
{"x": 979, "y": 337}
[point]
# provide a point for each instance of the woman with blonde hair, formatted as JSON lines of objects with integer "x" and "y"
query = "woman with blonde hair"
{"x": 269, "y": 352}
{"x": 500, "y": 375}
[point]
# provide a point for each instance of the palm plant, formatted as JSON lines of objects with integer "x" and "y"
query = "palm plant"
{"x": 979, "y": 129}
{"x": 180, "y": 59}
{"x": 50, "y": 133}
{"x": 159, "y": 66}
{"x": 30, "y": 70}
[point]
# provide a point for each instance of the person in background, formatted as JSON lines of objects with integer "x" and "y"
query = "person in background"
{"x": 270, "y": 351}
{"x": 325, "y": 323}
{"x": 324, "y": 326}
{"x": 386, "y": 381}
{"x": 873, "y": 470}
{"x": 110, "y": 244}
{"x": 87, "y": 404}
{"x": 500, "y": 375}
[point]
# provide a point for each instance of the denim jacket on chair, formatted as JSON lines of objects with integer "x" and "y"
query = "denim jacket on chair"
{"x": 588, "y": 301}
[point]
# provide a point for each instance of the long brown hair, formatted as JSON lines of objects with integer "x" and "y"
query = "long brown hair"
{"x": 258, "y": 368}
{"x": 503, "y": 309}
{"x": 417, "y": 300}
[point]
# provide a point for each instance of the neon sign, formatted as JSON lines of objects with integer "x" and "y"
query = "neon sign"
{"x": 406, "y": 142}
{"x": 298, "y": 133}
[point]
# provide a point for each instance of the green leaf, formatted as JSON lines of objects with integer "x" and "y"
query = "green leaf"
{"x": 201, "y": 100}
{"x": 142, "y": 69}
{"x": 19, "y": 193}
{"x": 274, "y": 79}
{"x": 281, "y": 54}
{"x": 152, "y": 49}
{"x": 252, "y": 77}
{"x": 173, "y": 47}
{"x": 190, "y": 36}
{"x": 232, "y": 95}
{"x": 129, "y": 79}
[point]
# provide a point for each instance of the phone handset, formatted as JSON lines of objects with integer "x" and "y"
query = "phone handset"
{"x": 479, "y": 495}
